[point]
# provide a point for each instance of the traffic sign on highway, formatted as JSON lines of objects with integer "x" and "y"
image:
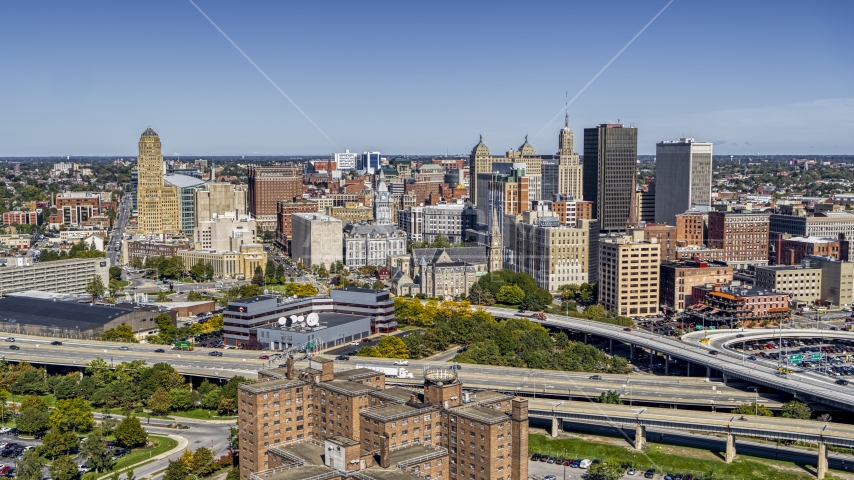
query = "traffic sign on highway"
{"x": 796, "y": 359}
{"x": 815, "y": 357}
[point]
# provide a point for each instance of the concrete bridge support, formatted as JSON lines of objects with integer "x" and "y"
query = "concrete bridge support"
{"x": 585, "y": 339}
{"x": 631, "y": 351}
{"x": 666, "y": 364}
{"x": 610, "y": 344}
{"x": 651, "y": 358}
{"x": 730, "y": 448}
{"x": 557, "y": 423}
{"x": 708, "y": 372}
{"x": 640, "y": 437}
{"x": 821, "y": 466}
{"x": 688, "y": 369}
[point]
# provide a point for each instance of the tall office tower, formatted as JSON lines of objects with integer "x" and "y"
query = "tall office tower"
{"x": 218, "y": 199}
{"x": 480, "y": 161}
{"x": 629, "y": 292}
{"x": 610, "y": 163}
{"x": 683, "y": 178}
{"x": 569, "y": 165}
{"x": 551, "y": 180}
{"x": 369, "y": 162}
{"x": 158, "y": 202}
{"x": 268, "y": 185}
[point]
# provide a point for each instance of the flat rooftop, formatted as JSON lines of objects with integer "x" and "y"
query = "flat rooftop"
{"x": 49, "y": 313}
{"x": 298, "y": 473}
{"x": 325, "y": 320}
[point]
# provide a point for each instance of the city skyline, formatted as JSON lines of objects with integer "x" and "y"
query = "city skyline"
{"x": 760, "y": 81}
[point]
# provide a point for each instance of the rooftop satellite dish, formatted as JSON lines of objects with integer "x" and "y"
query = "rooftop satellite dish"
{"x": 293, "y": 319}
{"x": 283, "y": 320}
{"x": 312, "y": 319}
{"x": 301, "y": 319}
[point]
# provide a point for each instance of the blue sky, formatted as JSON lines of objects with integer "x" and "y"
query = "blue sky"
{"x": 86, "y": 78}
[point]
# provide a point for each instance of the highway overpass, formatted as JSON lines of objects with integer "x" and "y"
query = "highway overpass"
{"x": 807, "y": 386}
{"x": 726, "y": 424}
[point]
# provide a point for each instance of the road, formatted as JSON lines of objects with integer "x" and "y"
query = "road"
{"x": 80, "y": 352}
{"x": 809, "y": 386}
{"x": 117, "y": 235}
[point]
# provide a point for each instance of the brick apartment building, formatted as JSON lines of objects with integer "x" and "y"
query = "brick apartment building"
{"x": 743, "y": 237}
{"x": 789, "y": 250}
{"x": 318, "y": 423}
{"x": 75, "y": 210}
{"x": 691, "y": 229}
{"x": 679, "y": 278}
{"x": 23, "y": 218}
{"x": 266, "y": 186}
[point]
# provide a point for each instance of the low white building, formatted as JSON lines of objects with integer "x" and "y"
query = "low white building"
{"x": 225, "y": 233}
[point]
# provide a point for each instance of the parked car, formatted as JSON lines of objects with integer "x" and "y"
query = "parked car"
{"x": 649, "y": 473}
{"x": 585, "y": 463}
{"x": 631, "y": 471}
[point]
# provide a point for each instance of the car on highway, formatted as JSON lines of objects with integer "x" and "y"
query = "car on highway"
{"x": 56, "y": 342}
{"x": 264, "y": 357}
{"x": 403, "y": 363}
{"x": 14, "y": 347}
{"x": 627, "y": 329}
{"x": 124, "y": 348}
{"x": 842, "y": 381}
{"x": 215, "y": 354}
{"x": 752, "y": 358}
{"x": 342, "y": 357}
{"x": 713, "y": 352}
{"x": 159, "y": 350}
{"x": 549, "y": 477}
{"x": 366, "y": 340}
{"x": 355, "y": 344}
{"x": 10, "y": 339}
{"x": 596, "y": 377}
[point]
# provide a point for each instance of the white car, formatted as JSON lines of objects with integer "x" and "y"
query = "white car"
{"x": 585, "y": 463}
{"x": 355, "y": 344}
{"x": 402, "y": 363}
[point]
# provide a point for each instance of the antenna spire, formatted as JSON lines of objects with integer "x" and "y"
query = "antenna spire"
{"x": 566, "y": 107}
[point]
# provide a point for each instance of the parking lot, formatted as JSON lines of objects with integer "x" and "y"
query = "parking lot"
{"x": 10, "y": 448}
{"x": 552, "y": 471}
{"x": 831, "y": 357}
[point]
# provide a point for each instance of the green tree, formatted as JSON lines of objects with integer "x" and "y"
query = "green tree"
{"x": 392, "y": 347}
{"x": 194, "y": 296}
{"x": 116, "y": 273}
{"x": 229, "y": 390}
{"x": 180, "y": 398}
{"x": 130, "y": 433}
{"x": 176, "y": 470}
{"x": 94, "y": 450}
{"x": 510, "y": 295}
{"x": 66, "y": 387}
{"x": 605, "y": 471}
{"x": 378, "y": 285}
{"x": 796, "y": 409}
{"x": 211, "y": 399}
{"x": 202, "y": 462}
{"x": 441, "y": 241}
{"x": 480, "y": 296}
{"x": 162, "y": 297}
{"x": 56, "y": 443}
{"x": 753, "y": 408}
{"x": 198, "y": 270}
{"x": 303, "y": 290}
{"x": 100, "y": 370}
{"x": 160, "y": 402}
{"x": 95, "y": 287}
{"x": 120, "y": 333}
{"x": 63, "y": 468}
{"x": 71, "y": 415}
{"x": 33, "y": 416}
{"x": 611, "y": 397}
{"x": 31, "y": 382}
{"x": 136, "y": 263}
{"x": 30, "y": 467}
{"x": 258, "y": 276}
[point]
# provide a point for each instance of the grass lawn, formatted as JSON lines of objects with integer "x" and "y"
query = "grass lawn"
{"x": 276, "y": 288}
{"x": 200, "y": 414}
{"x": 161, "y": 444}
{"x": 655, "y": 456}
{"x": 124, "y": 283}
{"x": 50, "y": 399}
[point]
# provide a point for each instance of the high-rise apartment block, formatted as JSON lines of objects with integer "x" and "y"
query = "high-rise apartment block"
{"x": 629, "y": 274}
{"x": 159, "y": 205}
{"x": 610, "y": 163}
{"x": 218, "y": 199}
{"x": 742, "y": 237}
{"x": 316, "y": 239}
{"x": 683, "y": 178}
{"x": 268, "y": 185}
{"x": 319, "y": 423}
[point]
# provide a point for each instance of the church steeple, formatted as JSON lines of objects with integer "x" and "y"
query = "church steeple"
{"x": 494, "y": 250}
